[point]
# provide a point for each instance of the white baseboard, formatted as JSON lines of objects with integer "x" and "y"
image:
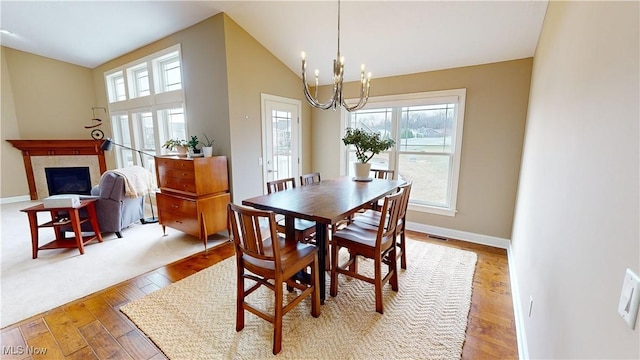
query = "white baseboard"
{"x": 460, "y": 235}
{"x": 14, "y": 199}
{"x": 523, "y": 350}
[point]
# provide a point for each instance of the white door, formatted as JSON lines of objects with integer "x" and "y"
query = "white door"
{"x": 280, "y": 137}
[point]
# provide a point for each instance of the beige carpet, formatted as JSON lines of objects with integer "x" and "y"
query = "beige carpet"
{"x": 56, "y": 277}
{"x": 427, "y": 319}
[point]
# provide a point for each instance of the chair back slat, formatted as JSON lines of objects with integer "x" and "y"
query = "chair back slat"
{"x": 389, "y": 222}
{"x": 383, "y": 174}
{"x": 248, "y": 235}
{"x": 311, "y": 178}
{"x": 405, "y": 199}
{"x": 281, "y": 184}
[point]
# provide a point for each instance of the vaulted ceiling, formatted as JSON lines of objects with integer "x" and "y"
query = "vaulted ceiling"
{"x": 390, "y": 37}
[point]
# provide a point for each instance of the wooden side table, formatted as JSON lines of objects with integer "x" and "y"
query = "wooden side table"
{"x": 74, "y": 220}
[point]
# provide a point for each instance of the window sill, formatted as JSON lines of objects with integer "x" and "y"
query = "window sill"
{"x": 432, "y": 210}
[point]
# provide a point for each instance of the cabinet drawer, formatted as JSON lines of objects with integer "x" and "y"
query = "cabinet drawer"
{"x": 176, "y": 164}
{"x": 178, "y": 213}
{"x": 165, "y": 171}
{"x": 176, "y": 205}
{"x": 178, "y": 184}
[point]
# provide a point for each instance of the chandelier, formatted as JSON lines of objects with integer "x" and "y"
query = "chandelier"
{"x": 336, "y": 99}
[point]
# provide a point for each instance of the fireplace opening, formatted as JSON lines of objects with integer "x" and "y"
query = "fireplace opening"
{"x": 68, "y": 180}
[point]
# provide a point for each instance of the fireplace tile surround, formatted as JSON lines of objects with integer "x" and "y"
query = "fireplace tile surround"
{"x": 38, "y": 154}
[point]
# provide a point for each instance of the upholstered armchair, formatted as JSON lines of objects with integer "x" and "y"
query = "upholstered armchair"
{"x": 115, "y": 209}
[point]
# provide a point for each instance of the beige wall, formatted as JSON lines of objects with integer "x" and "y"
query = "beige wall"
{"x": 41, "y": 99}
{"x": 496, "y": 108}
{"x": 12, "y": 183}
{"x": 204, "y": 80}
{"x": 576, "y": 228}
{"x": 253, "y": 70}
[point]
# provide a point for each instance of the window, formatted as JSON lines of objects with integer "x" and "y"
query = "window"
{"x": 146, "y": 103}
{"x": 427, "y": 128}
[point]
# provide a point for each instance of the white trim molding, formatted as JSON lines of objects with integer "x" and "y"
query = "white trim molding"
{"x": 14, "y": 199}
{"x": 460, "y": 235}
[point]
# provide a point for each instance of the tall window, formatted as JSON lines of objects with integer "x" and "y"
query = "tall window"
{"x": 427, "y": 128}
{"x": 146, "y": 103}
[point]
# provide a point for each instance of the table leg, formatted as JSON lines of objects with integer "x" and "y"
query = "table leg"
{"x": 93, "y": 219}
{"x": 321, "y": 240}
{"x": 75, "y": 223}
{"x": 33, "y": 226}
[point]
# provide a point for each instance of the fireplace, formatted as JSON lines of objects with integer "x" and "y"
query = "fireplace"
{"x": 40, "y": 154}
{"x": 68, "y": 180}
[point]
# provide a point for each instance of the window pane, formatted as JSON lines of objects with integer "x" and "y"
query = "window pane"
{"x": 173, "y": 123}
{"x": 169, "y": 77}
{"x": 115, "y": 87}
{"x": 138, "y": 81}
{"x": 122, "y": 136}
{"x": 147, "y": 131}
{"x": 374, "y": 120}
{"x": 430, "y": 176}
{"x": 427, "y": 128}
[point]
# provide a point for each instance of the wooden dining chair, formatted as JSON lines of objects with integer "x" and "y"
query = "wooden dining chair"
{"x": 311, "y": 178}
{"x": 372, "y": 218}
{"x": 265, "y": 259}
{"x": 379, "y": 174}
{"x": 305, "y": 229}
{"x": 378, "y": 244}
{"x": 383, "y": 174}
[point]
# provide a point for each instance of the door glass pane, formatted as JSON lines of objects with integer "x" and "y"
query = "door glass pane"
{"x": 281, "y": 145}
{"x": 430, "y": 176}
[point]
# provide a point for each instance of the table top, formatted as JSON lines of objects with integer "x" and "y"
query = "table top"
{"x": 328, "y": 201}
{"x": 40, "y": 207}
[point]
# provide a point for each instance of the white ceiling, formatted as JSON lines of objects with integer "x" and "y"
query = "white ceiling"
{"x": 390, "y": 37}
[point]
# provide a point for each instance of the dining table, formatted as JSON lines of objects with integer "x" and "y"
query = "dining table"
{"x": 326, "y": 202}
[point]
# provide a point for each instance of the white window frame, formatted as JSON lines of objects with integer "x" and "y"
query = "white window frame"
{"x": 457, "y": 96}
{"x": 157, "y": 99}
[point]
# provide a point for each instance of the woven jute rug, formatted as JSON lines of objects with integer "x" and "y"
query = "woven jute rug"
{"x": 426, "y": 319}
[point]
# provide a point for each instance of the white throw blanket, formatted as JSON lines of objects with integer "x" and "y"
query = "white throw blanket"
{"x": 137, "y": 180}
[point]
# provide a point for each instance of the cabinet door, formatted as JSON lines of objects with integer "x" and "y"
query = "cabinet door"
{"x": 214, "y": 209}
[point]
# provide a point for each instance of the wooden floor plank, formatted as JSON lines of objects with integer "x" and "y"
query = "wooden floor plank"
{"x": 109, "y": 334}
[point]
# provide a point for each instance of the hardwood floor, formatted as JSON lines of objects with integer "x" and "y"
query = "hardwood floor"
{"x": 93, "y": 328}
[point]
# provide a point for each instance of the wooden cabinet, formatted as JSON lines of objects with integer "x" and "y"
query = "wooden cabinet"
{"x": 194, "y": 194}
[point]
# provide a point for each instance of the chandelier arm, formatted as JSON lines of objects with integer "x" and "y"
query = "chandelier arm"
{"x": 310, "y": 99}
{"x": 364, "y": 97}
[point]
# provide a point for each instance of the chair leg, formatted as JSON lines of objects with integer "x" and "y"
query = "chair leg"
{"x": 277, "y": 318}
{"x": 333, "y": 290}
{"x": 378, "y": 282}
{"x": 393, "y": 269}
{"x": 118, "y": 234}
{"x": 403, "y": 255}
{"x": 240, "y": 302}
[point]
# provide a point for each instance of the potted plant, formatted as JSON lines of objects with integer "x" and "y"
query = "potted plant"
{"x": 207, "y": 146}
{"x": 178, "y": 145}
{"x": 192, "y": 144}
{"x": 367, "y": 144}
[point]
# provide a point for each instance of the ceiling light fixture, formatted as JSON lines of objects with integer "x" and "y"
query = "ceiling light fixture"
{"x": 338, "y": 77}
